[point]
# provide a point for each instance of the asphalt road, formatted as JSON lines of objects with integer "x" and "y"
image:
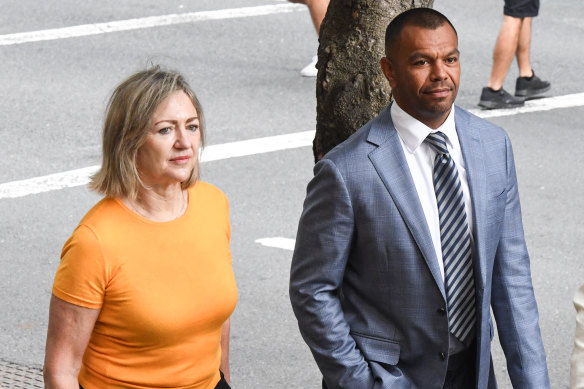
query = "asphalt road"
{"x": 246, "y": 73}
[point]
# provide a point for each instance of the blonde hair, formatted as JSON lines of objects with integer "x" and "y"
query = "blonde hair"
{"x": 128, "y": 115}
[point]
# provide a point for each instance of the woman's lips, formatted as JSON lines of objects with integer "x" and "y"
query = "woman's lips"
{"x": 184, "y": 158}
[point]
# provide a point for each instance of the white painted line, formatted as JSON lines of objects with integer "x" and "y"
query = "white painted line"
{"x": 48, "y": 183}
{"x": 257, "y": 146}
{"x": 567, "y": 101}
{"x": 147, "y": 22}
{"x": 277, "y": 242}
{"x": 79, "y": 177}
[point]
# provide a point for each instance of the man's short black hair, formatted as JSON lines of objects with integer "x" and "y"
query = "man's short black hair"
{"x": 420, "y": 17}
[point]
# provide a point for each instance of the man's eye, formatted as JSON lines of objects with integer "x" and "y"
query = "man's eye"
{"x": 451, "y": 60}
{"x": 421, "y": 62}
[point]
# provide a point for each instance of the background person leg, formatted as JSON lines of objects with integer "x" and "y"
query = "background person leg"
{"x": 317, "y": 9}
{"x": 528, "y": 85}
{"x": 523, "y": 47}
{"x": 505, "y": 49}
{"x": 494, "y": 96}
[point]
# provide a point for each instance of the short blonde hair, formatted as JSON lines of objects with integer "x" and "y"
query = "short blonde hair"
{"x": 127, "y": 121}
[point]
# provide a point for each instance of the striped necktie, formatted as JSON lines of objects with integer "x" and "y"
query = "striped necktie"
{"x": 455, "y": 240}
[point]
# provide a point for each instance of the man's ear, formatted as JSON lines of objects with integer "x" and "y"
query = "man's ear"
{"x": 387, "y": 69}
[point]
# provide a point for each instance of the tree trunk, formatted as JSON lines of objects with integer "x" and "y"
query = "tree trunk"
{"x": 350, "y": 87}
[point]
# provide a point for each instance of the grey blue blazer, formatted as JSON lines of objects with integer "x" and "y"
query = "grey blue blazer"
{"x": 365, "y": 283}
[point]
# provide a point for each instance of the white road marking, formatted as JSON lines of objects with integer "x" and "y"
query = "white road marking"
{"x": 257, "y": 146}
{"x": 48, "y": 183}
{"x": 547, "y": 104}
{"x": 277, "y": 242}
{"x": 79, "y": 177}
{"x": 147, "y": 22}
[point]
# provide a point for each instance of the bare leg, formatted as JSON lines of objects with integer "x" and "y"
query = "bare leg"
{"x": 505, "y": 49}
{"x": 317, "y": 9}
{"x": 523, "y": 49}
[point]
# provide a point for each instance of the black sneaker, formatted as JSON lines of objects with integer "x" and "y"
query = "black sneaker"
{"x": 531, "y": 87}
{"x": 493, "y": 99}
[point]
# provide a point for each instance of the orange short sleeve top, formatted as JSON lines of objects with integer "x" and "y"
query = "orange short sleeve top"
{"x": 164, "y": 290}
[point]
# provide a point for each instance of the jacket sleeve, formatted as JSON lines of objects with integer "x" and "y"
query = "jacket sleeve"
{"x": 513, "y": 299}
{"x": 323, "y": 243}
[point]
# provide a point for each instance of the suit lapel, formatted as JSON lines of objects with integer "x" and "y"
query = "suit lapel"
{"x": 390, "y": 163}
{"x": 472, "y": 153}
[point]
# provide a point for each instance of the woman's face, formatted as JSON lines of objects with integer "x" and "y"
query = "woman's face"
{"x": 170, "y": 152}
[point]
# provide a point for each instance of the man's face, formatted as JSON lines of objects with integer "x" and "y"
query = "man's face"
{"x": 423, "y": 71}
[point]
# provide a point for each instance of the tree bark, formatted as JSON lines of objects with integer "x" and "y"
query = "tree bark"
{"x": 350, "y": 87}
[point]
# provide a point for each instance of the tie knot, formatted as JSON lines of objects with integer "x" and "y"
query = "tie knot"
{"x": 437, "y": 140}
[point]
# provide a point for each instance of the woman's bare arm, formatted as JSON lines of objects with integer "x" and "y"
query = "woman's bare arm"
{"x": 224, "y": 366}
{"x": 70, "y": 328}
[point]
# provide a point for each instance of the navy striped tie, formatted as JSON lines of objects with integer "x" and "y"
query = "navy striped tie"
{"x": 455, "y": 240}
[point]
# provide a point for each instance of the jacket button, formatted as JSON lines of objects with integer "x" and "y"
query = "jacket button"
{"x": 442, "y": 311}
{"x": 442, "y": 356}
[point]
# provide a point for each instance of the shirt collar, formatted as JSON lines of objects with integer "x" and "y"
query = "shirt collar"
{"x": 413, "y": 132}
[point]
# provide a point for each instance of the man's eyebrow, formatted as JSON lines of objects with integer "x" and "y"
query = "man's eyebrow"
{"x": 418, "y": 55}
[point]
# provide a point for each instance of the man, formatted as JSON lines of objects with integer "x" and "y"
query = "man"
{"x": 514, "y": 41}
{"x": 392, "y": 288}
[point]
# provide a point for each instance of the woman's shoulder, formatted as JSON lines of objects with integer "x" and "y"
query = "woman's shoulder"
{"x": 102, "y": 215}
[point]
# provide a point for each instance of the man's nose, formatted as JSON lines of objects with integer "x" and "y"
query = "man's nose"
{"x": 439, "y": 71}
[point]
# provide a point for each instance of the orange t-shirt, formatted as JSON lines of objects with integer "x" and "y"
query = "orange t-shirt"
{"x": 164, "y": 290}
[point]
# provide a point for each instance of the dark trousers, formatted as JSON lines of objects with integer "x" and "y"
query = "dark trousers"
{"x": 222, "y": 384}
{"x": 461, "y": 370}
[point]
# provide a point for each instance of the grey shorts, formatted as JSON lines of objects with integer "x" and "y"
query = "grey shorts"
{"x": 521, "y": 8}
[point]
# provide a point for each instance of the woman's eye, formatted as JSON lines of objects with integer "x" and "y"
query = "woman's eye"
{"x": 164, "y": 130}
{"x": 193, "y": 127}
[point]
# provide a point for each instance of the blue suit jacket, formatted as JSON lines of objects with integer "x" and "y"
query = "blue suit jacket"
{"x": 365, "y": 284}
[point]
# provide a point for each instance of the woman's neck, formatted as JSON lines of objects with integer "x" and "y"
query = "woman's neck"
{"x": 159, "y": 204}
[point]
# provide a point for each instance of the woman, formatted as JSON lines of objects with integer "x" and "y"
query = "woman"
{"x": 144, "y": 291}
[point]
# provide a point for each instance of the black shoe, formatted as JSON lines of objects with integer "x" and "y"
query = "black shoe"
{"x": 531, "y": 87}
{"x": 491, "y": 99}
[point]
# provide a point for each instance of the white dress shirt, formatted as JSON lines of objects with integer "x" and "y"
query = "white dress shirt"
{"x": 420, "y": 158}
